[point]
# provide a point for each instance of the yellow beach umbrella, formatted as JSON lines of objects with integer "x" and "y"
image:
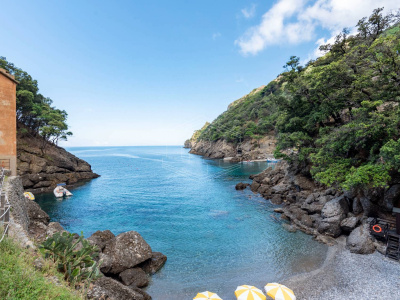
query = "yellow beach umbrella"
{"x": 248, "y": 292}
{"x": 279, "y": 291}
{"x": 207, "y": 295}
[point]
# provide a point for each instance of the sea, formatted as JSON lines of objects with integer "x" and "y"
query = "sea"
{"x": 185, "y": 206}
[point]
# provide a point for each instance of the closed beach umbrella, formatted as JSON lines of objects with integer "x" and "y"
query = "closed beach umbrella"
{"x": 248, "y": 292}
{"x": 279, "y": 292}
{"x": 206, "y": 295}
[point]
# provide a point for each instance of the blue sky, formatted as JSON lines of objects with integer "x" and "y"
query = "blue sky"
{"x": 151, "y": 72}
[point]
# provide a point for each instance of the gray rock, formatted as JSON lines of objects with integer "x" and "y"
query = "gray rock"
{"x": 100, "y": 238}
{"x": 360, "y": 241}
{"x": 54, "y": 227}
{"x": 348, "y": 224}
{"x": 276, "y": 199}
{"x": 154, "y": 264}
{"x": 125, "y": 251}
{"x": 289, "y": 227}
{"x": 335, "y": 207}
{"x": 368, "y": 207}
{"x": 357, "y": 207}
{"x": 306, "y": 220}
{"x": 280, "y": 188}
{"x": 241, "y": 186}
{"x": 391, "y": 195}
{"x": 310, "y": 199}
{"x": 332, "y": 215}
{"x": 36, "y": 214}
{"x": 110, "y": 289}
{"x": 254, "y": 186}
{"x": 134, "y": 276}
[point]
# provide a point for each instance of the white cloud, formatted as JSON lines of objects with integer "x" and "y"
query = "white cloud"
{"x": 296, "y": 21}
{"x": 216, "y": 35}
{"x": 249, "y": 12}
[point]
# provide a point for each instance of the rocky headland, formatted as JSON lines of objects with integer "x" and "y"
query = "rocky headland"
{"x": 127, "y": 261}
{"x": 42, "y": 164}
{"x": 250, "y": 149}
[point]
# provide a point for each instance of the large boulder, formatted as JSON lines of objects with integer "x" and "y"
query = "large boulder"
{"x": 110, "y": 289}
{"x": 100, "y": 238}
{"x": 153, "y": 264}
{"x": 333, "y": 213}
{"x": 360, "y": 241}
{"x": 123, "y": 252}
{"x": 348, "y": 224}
{"x": 134, "y": 276}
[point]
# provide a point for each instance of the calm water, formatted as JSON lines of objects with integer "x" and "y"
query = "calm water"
{"x": 187, "y": 208}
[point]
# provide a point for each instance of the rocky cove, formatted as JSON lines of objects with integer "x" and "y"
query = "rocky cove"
{"x": 127, "y": 260}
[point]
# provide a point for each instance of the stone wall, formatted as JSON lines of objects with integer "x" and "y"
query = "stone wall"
{"x": 8, "y": 125}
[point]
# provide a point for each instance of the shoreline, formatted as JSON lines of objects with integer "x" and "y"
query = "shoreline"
{"x": 345, "y": 275}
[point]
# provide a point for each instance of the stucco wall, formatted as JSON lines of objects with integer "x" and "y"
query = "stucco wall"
{"x": 8, "y": 123}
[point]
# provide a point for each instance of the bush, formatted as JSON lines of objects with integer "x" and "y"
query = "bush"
{"x": 78, "y": 265}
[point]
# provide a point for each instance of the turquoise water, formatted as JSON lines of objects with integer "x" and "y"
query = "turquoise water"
{"x": 187, "y": 208}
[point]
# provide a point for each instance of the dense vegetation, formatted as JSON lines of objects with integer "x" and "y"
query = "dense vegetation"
{"x": 20, "y": 280}
{"x": 340, "y": 113}
{"x": 34, "y": 111}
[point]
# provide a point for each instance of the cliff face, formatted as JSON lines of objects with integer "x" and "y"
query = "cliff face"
{"x": 248, "y": 150}
{"x": 41, "y": 172}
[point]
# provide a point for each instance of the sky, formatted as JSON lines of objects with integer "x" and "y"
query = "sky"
{"x": 136, "y": 73}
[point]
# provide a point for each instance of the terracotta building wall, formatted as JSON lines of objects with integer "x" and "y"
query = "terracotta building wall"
{"x": 8, "y": 123}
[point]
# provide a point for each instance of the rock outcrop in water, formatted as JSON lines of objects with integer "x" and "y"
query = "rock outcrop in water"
{"x": 40, "y": 172}
{"x": 127, "y": 260}
{"x": 323, "y": 212}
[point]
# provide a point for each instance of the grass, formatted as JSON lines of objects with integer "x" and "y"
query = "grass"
{"x": 19, "y": 279}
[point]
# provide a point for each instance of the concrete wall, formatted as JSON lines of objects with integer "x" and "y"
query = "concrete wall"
{"x": 8, "y": 123}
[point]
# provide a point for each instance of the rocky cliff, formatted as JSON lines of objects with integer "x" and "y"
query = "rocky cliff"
{"x": 40, "y": 171}
{"x": 127, "y": 261}
{"x": 250, "y": 149}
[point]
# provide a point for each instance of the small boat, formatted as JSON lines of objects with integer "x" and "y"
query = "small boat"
{"x": 29, "y": 195}
{"x": 60, "y": 191}
{"x": 273, "y": 160}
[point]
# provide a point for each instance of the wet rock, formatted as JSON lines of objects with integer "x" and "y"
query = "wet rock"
{"x": 254, "y": 186}
{"x": 110, "y": 289}
{"x": 241, "y": 186}
{"x": 276, "y": 199}
{"x": 125, "y": 251}
{"x": 134, "y": 276}
{"x": 100, "y": 238}
{"x": 154, "y": 264}
{"x": 289, "y": 227}
{"x": 360, "y": 241}
{"x": 278, "y": 210}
